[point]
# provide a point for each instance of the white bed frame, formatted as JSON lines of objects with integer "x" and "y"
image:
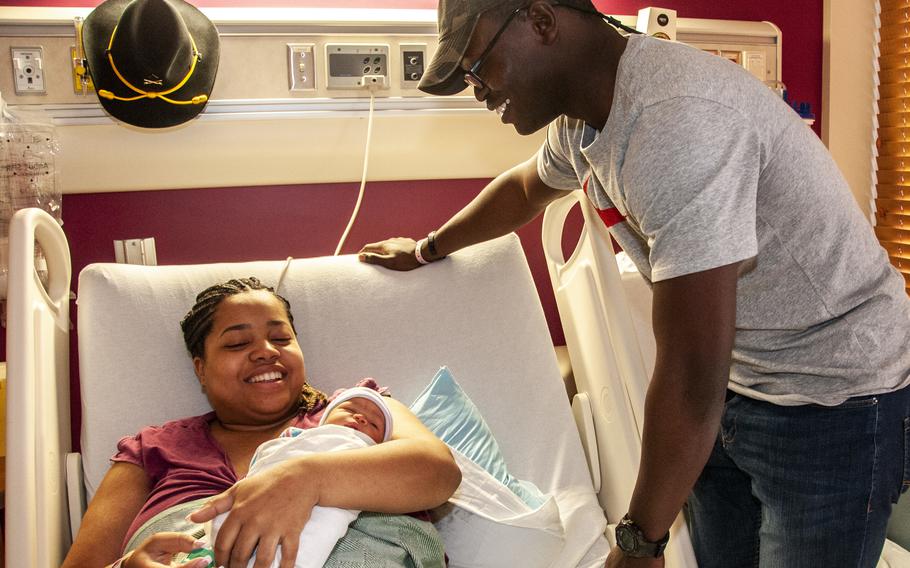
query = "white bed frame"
{"x": 477, "y": 312}
{"x": 37, "y": 403}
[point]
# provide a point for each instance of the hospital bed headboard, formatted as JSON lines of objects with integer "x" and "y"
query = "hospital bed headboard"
{"x": 476, "y": 312}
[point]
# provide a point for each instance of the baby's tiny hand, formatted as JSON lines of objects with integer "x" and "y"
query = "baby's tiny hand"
{"x": 157, "y": 551}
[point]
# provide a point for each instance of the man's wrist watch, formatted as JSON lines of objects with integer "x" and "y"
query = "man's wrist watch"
{"x": 631, "y": 540}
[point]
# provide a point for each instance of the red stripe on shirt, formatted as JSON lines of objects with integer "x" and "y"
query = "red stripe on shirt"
{"x": 611, "y": 215}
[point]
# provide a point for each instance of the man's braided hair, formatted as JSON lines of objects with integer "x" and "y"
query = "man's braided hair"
{"x": 197, "y": 324}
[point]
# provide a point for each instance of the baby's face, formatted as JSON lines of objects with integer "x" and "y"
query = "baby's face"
{"x": 361, "y": 414}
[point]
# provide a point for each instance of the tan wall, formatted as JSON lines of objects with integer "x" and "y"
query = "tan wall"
{"x": 847, "y": 91}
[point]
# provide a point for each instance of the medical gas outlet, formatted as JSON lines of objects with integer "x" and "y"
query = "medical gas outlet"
{"x": 28, "y": 70}
{"x": 357, "y": 66}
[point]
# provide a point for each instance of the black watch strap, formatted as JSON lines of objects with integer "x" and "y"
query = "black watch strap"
{"x": 431, "y": 245}
{"x": 631, "y": 540}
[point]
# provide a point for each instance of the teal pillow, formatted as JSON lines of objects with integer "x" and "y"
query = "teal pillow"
{"x": 448, "y": 412}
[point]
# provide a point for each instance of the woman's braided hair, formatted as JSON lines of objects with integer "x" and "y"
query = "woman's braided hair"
{"x": 197, "y": 324}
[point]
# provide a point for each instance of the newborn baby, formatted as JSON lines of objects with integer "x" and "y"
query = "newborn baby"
{"x": 356, "y": 418}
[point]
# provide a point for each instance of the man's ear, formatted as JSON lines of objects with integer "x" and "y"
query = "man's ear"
{"x": 543, "y": 19}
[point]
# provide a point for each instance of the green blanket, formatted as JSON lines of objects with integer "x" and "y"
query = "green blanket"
{"x": 374, "y": 540}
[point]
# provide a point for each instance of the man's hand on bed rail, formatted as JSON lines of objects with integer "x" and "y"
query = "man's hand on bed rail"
{"x": 396, "y": 253}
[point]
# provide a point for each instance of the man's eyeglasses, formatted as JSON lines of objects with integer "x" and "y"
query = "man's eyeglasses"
{"x": 471, "y": 76}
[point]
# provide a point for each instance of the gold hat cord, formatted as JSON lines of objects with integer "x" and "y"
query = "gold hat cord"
{"x": 199, "y": 99}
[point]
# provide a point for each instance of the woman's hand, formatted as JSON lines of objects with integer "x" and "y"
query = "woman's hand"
{"x": 619, "y": 560}
{"x": 396, "y": 253}
{"x": 267, "y": 510}
{"x": 157, "y": 550}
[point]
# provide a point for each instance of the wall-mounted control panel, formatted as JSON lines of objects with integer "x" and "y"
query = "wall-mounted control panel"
{"x": 356, "y": 66}
{"x": 413, "y": 63}
{"x": 301, "y": 57}
{"x": 28, "y": 70}
{"x": 301, "y": 67}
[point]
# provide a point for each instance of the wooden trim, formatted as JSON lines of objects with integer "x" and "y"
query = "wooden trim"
{"x": 890, "y": 5}
{"x": 893, "y": 91}
{"x": 894, "y": 119}
{"x": 894, "y": 148}
{"x": 894, "y": 134}
{"x": 894, "y": 31}
{"x": 893, "y": 235}
{"x": 895, "y": 164}
{"x": 897, "y": 250}
{"x": 899, "y": 104}
{"x": 895, "y": 59}
{"x": 894, "y": 206}
{"x": 895, "y": 45}
{"x": 898, "y": 76}
{"x": 901, "y": 193}
{"x": 891, "y": 174}
{"x": 886, "y": 219}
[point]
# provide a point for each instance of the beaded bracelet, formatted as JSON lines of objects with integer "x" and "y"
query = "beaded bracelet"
{"x": 417, "y": 253}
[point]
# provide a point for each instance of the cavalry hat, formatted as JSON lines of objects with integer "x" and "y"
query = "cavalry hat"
{"x": 457, "y": 20}
{"x": 153, "y": 62}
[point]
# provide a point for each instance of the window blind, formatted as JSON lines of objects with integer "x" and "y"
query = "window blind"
{"x": 892, "y": 200}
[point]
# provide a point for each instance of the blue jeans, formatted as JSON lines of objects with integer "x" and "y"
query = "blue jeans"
{"x": 801, "y": 486}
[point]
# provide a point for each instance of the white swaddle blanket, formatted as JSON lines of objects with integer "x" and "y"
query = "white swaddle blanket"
{"x": 326, "y": 524}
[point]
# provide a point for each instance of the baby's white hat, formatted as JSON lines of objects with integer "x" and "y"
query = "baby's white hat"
{"x": 362, "y": 392}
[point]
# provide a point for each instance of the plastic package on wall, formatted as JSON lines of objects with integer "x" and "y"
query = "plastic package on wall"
{"x": 28, "y": 177}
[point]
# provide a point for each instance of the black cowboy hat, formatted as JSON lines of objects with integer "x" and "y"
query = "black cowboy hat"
{"x": 153, "y": 62}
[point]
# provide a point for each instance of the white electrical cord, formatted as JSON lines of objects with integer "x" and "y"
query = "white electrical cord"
{"x": 284, "y": 272}
{"x": 363, "y": 179}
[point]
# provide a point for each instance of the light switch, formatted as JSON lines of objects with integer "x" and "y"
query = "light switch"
{"x": 301, "y": 67}
{"x": 136, "y": 251}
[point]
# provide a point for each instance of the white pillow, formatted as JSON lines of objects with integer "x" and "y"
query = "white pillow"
{"x": 490, "y": 526}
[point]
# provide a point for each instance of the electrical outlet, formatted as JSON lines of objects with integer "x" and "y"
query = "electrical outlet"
{"x": 301, "y": 67}
{"x": 28, "y": 70}
{"x": 355, "y": 66}
{"x": 413, "y": 64}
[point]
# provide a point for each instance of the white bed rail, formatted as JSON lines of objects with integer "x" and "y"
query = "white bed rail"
{"x": 38, "y": 413}
{"x": 610, "y": 372}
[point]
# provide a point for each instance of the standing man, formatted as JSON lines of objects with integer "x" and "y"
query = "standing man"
{"x": 779, "y": 404}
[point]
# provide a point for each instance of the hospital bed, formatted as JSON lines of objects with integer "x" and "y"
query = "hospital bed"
{"x": 476, "y": 313}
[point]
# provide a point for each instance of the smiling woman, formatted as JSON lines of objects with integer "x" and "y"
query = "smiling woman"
{"x": 252, "y": 369}
{"x": 241, "y": 337}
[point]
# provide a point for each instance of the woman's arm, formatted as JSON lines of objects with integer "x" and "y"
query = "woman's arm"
{"x": 411, "y": 472}
{"x": 119, "y": 499}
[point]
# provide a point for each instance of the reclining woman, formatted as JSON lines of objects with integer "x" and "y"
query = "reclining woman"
{"x": 246, "y": 357}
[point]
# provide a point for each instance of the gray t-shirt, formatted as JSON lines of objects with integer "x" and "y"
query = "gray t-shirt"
{"x": 705, "y": 166}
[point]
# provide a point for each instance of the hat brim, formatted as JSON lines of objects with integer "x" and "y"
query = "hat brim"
{"x": 445, "y": 76}
{"x": 146, "y": 112}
